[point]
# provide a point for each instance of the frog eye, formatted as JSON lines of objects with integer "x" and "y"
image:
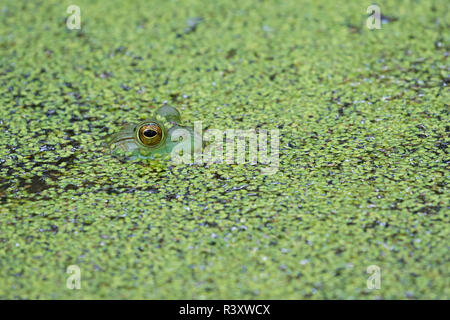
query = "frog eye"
{"x": 149, "y": 134}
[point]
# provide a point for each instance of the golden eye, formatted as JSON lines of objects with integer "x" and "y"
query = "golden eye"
{"x": 150, "y": 134}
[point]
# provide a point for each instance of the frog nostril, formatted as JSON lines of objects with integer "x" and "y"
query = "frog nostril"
{"x": 150, "y": 133}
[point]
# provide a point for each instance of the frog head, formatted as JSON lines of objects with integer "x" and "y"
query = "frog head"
{"x": 153, "y": 138}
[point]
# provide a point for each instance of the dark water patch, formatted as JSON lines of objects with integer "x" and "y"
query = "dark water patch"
{"x": 37, "y": 184}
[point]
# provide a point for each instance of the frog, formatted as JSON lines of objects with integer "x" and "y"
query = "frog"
{"x": 159, "y": 137}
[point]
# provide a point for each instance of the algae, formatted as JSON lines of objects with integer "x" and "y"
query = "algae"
{"x": 363, "y": 118}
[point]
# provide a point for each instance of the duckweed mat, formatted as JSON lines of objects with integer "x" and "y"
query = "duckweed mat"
{"x": 363, "y": 117}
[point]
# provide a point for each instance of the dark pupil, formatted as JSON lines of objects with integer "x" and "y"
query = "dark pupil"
{"x": 150, "y": 133}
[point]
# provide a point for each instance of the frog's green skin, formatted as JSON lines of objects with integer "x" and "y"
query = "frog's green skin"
{"x": 126, "y": 141}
